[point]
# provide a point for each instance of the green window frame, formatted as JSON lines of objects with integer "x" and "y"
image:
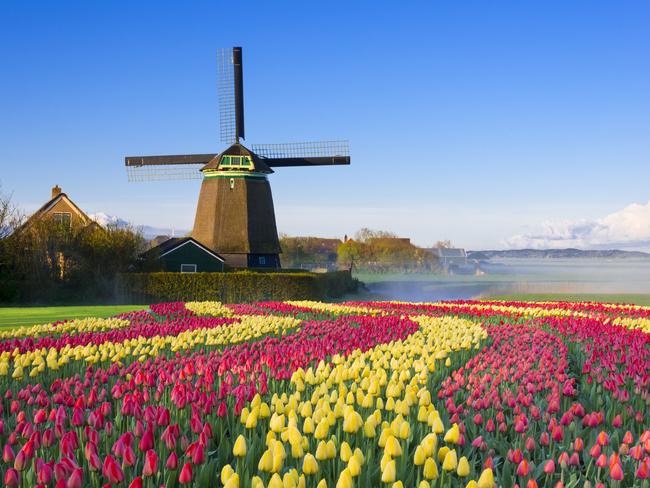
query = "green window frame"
{"x": 230, "y": 161}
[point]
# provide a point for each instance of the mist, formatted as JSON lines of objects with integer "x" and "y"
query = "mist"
{"x": 507, "y": 276}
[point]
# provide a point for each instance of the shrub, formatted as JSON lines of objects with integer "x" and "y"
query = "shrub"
{"x": 234, "y": 287}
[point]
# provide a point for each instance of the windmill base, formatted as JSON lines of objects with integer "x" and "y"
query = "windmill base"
{"x": 235, "y": 218}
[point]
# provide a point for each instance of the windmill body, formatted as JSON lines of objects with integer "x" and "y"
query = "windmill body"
{"x": 235, "y": 216}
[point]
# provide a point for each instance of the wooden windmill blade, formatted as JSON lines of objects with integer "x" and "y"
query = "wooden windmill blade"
{"x": 171, "y": 167}
{"x": 230, "y": 88}
{"x": 321, "y": 153}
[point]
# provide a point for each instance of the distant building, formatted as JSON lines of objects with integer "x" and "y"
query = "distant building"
{"x": 450, "y": 256}
{"x": 185, "y": 255}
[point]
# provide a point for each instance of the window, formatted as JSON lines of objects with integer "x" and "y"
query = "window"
{"x": 63, "y": 219}
{"x": 229, "y": 161}
{"x": 188, "y": 268}
{"x": 262, "y": 260}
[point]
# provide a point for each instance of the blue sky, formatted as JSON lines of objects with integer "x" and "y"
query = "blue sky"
{"x": 479, "y": 122}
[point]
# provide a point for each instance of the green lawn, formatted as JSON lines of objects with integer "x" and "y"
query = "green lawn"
{"x": 16, "y": 316}
{"x": 638, "y": 299}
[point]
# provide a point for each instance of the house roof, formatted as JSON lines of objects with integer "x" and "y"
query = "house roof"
{"x": 175, "y": 243}
{"x": 47, "y": 206}
{"x": 449, "y": 252}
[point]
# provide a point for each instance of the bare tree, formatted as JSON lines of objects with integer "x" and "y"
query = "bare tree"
{"x": 10, "y": 217}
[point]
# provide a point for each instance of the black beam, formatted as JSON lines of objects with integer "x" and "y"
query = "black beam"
{"x": 164, "y": 160}
{"x": 239, "y": 93}
{"x": 313, "y": 161}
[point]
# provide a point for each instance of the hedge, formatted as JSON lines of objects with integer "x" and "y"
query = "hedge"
{"x": 234, "y": 287}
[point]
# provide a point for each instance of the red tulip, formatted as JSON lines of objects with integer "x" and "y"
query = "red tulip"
{"x": 21, "y": 461}
{"x": 616, "y": 472}
{"x": 549, "y": 467}
{"x": 603, "y": 438}
{"x": 150, "y": 463}
{"x": 172, "y": 461}
{"x": 76, "y": 479}
{"x": 112, "y": 471}
{"x": 185, "y": 476}
{"x": 601, "y": 462}
{"x": 12, "y": 478}
{"x": 644, "y": 470}
{"x": 8, "y": 454}
{"x": 136, "y": 483}
{"x": 44, "y": 473}
{"x": 522, "y": 469}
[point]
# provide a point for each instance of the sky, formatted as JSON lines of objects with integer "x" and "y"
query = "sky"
{"x": 493, "y": 124}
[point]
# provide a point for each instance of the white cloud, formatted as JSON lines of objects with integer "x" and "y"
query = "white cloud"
{"x": 628, "y": 228}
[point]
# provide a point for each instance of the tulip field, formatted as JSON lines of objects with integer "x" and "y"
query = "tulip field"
{"x": 309, "y": 394}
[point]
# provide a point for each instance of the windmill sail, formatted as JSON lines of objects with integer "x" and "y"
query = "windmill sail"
{"x": 173, "y": 167}
{"x": 230, "y": 89}
{"x": 321, "y": 153}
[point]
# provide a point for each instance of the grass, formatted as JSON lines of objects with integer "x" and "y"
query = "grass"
{"x": 637, "y": 299}
{"x": 18, "y": 316}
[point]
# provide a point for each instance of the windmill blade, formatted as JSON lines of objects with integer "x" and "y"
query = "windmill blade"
{"x": 230, "y": 89}
{"x": 322, "y": 153}
{"x": 159, "y": 168}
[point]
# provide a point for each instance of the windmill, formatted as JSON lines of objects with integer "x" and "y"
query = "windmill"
{"x": 234, "y": 215}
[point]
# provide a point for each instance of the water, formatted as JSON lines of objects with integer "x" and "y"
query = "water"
{"x": 520, "y": 276}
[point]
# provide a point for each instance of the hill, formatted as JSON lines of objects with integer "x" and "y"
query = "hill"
{"x": 557, "y": 254}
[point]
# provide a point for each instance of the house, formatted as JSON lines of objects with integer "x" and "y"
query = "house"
{"x": 61, "y": 210}
{"x": 449, "y": 256}
{"x": 185, "y": 255}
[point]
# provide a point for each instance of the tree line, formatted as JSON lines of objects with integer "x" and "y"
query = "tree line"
{"x": 373, "y": 251}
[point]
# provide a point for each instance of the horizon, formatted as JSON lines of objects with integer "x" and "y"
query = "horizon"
{"x": 484, "y": 95}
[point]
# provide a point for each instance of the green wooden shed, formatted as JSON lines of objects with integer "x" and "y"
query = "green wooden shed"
{"x": 186, "y": 255}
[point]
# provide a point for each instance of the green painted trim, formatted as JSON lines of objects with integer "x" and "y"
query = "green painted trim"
{"x": 233, "y": 174}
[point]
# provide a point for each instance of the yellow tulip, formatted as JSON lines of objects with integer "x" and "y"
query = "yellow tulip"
{"x": 424, "y": 484}
{"x": 331, "y": 449}
{"x": 471, "y": 484}
{"x": 463, "y": 467}
{"x": 452, "y": 434}
{"x": 354, "y": 466}
{"x": 276, "y": 481}
{"x": 486, "y": 480}
{"x": 393, "y": 447}
{"x": 226, "y": 473}
{"x": 429, "y": 444}
{"x": 256, "y": 482}
{"x": 437, "y": 426}
{"x": 345, "y": 479}
{"x": 451, "y": 461}
{"x": 346, "y": 452}
{"x": 389, "y": 472}
{"x": 321, "y": 451}
{"x": 278, "y": 456}
{"x": 442, "y": 452}
{"x": 266, "y": 461}
{"x": 430, "y": 469}
{"x": 322, "y": 484}
{"x": 360, "y": 457}
{"x": 419, "y": 457}
{"x": 233, "y": 481}
{"x": 309, "y": 464}
{"x": 239, "y": 449}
